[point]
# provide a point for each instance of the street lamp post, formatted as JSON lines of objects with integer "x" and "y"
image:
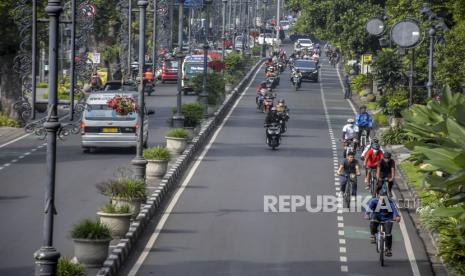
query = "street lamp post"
{"x": 429, "y": 84}
{"x": 178, "y": 118}
{"x": 204, "y": 94}
{"x": 223, "y": 36}
{"x": 130, "y": 40}
{"x": 34, "y": 58}
{"x": 154, "y": 41}
{"x": 139, "y": 162}
{"x": 47, "y": 256}
{"x": 264, "y": 29}
{"x": 73, "y": 54}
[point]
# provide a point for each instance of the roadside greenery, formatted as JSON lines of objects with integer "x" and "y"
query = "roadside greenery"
{"x": 157, "y": 153}
{"x": 67, "y": 268}
{"x": 90, "y": 229}
{"x": 439, "y": 151}
{"x": 192, "y": 112}
{"x": 178, "y": 133}
{"x": 215, "y": 87}
{"x": 8, "y": 122}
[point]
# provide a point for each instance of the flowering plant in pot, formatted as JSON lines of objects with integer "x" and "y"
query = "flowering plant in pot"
{"x": 91, "y": 240}
{"x": 125, "y": 191}
{"x": 158, "y": 158}
{"x": 123, "y": 105}
{"x": 117, "y": 219}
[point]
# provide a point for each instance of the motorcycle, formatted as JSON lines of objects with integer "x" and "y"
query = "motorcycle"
{"x": 260, "y": 100}
{"x": 282, "y": 121}
{"x": 281, "y": 67}
{"x": 271, "y": 83}
{"x": 273, "y": 135}
{"x": 296, "y": 81}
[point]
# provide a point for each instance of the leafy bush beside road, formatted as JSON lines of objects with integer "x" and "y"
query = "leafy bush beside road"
{"x": 8, "y": 122}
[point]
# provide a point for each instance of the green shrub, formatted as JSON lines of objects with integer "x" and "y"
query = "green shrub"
{"x": 42, "y": 85}
{"x": 124, "y": 188}
{"x": 192, "y": 112}
{"x": 215, "y": 87}
{"x": 178, "y": 133}
{"x": 372, "y": 106}
{"x": 414, "y": 176}
{"x": 359, "y": 82}
{"x": 381, "y": 119}
{"x": 90, "y": 229}
{"x": 67, "y": 268}
{"x": 8, "y": 122}
{"x": 396, "y": 102}
{"x": 112, "y": 209}
{"x": 233, "y": 63}
{"x": 157, "y": 153}
{"x": 395, "y": 136}
{"x": 452, "y": 245}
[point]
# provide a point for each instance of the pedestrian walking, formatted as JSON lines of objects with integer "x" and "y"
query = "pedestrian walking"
{"x": 347, "y": 88}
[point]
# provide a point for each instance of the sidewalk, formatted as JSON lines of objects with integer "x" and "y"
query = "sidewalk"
{"x": 8, "y": 134}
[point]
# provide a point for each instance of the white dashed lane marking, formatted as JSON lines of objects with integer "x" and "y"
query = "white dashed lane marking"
{"x": 22, "y": 156}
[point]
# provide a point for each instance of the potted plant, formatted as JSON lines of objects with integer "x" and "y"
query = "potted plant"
{"x": 123, "y": 105}
{"x": 176, "y": 140}
{"x": 117, "y": 219}
{"x": 158, "y": 158}
{"x": 193, "y": 114}
{"x": 125, "y": 191}
{"x": 91, "y": 240}
{"x": 66, "y": 267}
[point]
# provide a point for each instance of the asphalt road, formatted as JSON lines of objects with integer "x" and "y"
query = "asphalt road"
{"x": 22, "y": 180}
{"x": 218, "y": 225}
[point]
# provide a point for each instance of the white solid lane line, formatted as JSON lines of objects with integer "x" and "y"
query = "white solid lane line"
{"x": 15, "y": 140}
{"x": 403, "y": 228}
{"x": 174, "y": 200}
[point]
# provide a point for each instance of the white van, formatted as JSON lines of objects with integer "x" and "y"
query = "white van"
{"x": 102, "y": 127}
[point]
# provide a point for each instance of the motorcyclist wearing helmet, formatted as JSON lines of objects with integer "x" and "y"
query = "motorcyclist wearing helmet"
{"x": 272, "y": 117}
{"x": 271, "y": 73}
{"x": 386, "y": 169}
{"x": 349, "y": 133}
{"x": 282, "y": 109}
{"x": 269, "y": 63}
{"x": 382, "y": 209}
{"x": 372, "y": 158}
{"x": 296, "y": 74}
{"x": 364, "y": 121}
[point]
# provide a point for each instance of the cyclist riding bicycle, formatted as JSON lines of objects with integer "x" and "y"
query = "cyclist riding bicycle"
{"x": 364, "y": 122}
{"x": 386, "y": 169}
{"x": 350, "y": 165}
{"x": 372, "y": 158}
{"x": 382, "y": 209}
{"x": 349, "y": 133}
{"x": 374, "y": 141}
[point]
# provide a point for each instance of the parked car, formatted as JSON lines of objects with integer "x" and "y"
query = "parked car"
{"x": 169, "y": 71}
{"x": 102, "y": 127}
{"x": 308, "y": 68}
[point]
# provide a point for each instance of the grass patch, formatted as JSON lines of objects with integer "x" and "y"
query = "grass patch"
{"x": 7, "y": 121}
{"x": 414, "y": 177}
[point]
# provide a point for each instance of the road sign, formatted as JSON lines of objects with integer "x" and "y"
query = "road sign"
{"x": 88, "y": 9}
{"x": 367, "y": 58}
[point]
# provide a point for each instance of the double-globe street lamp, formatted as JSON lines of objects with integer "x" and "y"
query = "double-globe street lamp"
{"x": 139, "y": 161}
{"x": 264, "y": 29}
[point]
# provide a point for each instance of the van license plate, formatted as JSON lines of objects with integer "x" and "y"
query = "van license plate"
{"x": 110, "y": 130}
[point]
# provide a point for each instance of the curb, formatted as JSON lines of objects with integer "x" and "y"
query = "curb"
{"x": 121, "y": 252}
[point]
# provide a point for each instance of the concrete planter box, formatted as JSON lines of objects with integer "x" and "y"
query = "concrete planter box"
{"x": 134, "y": 204}
{"x": 156, "y": 168}
{"x": 91, "y": 253}
{"x": 176, "y": 145}
{"x": 118, "y": 223}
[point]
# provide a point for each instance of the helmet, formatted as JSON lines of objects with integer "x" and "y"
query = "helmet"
{"x": 363, "y": 107}
{"x": 350, "y": 121}
{"x": 297, "y": 70}
{"x": 281, "y": 101}
{"x": 273, "y": 108}
{"x": 375, "y": 140}
{"x": 387, "y": 155}
{"x": 270, "y": 59}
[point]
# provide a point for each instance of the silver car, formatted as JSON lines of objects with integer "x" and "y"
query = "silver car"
{"x": 102, "y": 127}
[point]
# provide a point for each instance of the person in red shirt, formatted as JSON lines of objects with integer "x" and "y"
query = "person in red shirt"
{"x": 372, "y": 158}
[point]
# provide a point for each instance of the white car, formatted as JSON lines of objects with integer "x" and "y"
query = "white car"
{"x": 304, "y": 43}
{"x": 285, "y": 25}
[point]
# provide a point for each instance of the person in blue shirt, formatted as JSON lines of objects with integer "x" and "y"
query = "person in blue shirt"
{"x": 364, "y": 122}
{"x": 382, "y": 209}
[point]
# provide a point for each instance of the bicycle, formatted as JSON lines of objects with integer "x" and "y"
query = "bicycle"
{"x": 363, "y": 140}
{"x": 373, "y": 182}
{"x": 351, "y": 180}
{"x": 381, "y": 241}
{"x": 385, "y": 186}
